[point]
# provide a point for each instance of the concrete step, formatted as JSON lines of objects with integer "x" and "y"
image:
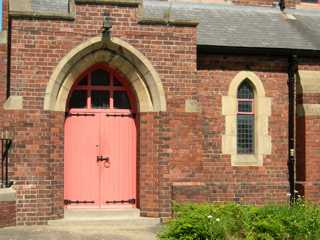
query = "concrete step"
{"x": 109, "y": 217}
{"x": 101, "y": 214}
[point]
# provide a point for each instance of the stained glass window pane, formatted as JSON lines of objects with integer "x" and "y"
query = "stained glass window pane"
{"x": 78, "y": 99}
{"x": 116, "y": 82}
{"x": 100, "y": 78}
{"x": 245, "y": 134}
{"x": 245, "y": 106}
{"x": 245, "y": 91}
{"x": 83, "y": 81}
{"x": 100, "y": 99}
{"x": 121, "y": 100}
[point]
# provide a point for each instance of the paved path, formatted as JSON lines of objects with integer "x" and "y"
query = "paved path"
{"x": 90, "y": 231}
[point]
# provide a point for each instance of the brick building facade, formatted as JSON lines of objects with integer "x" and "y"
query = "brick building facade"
{"x": 184, "y": 63}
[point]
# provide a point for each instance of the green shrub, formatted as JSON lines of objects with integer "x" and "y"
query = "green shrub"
{"x": 234, "y": 222}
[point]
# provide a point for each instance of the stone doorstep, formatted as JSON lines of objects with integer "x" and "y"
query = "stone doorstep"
{"x": 101, "y": 214}
{"x": 7, "y": 195}
{"x": 110, "y": 217}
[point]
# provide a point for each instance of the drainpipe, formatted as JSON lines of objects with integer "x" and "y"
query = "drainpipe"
{"x": 9, "y": 52}
{"x": 282, "y": 5}
{"x": 292, "y": 70}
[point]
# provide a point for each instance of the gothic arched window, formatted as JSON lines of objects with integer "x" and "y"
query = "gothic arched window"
{"x": 245, "y": 119}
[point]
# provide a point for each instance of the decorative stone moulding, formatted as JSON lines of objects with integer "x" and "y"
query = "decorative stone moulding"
{"x": 24, "y": 9}
{"x": 118, "y": 54}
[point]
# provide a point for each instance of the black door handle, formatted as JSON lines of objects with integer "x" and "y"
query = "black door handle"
{"x": 105, "y": 159}
{"x": 102, "y": 159}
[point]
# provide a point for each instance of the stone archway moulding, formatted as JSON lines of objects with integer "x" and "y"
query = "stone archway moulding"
{"x": 118, "y": 54}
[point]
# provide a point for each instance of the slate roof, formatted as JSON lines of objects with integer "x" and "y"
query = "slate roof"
{"x": 244, "y": 26}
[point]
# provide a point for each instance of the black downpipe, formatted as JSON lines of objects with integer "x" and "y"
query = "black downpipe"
{"x": 9, "y": 55}
{"x": 292, "y": 70}
{"x": 282, "y": 5}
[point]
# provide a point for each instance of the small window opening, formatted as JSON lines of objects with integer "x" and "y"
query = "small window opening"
{"x": 245, "y": 119}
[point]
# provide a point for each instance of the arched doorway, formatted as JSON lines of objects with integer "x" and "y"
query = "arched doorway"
{"x": 100, "y": 141}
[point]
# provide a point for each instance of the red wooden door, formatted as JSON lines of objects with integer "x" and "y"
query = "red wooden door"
{"x": 120, "y": 171}
{"x": 100, "y": 142}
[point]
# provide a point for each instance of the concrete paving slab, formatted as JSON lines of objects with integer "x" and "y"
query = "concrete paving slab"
{"x": 75, "y": 232}
{"x": 123, "y": 224}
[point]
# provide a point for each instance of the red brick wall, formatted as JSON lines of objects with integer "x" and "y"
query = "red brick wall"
{"x": 174, "y": 146}
{"x": 3, "y": 55}
{"x": 4, "y": 14}
{"x": 148, "y": 165}
{"x": 37, "y": 47}
{"x": 3, "y": 70}
{"x": 243, "y": 184}
{"x": 189, "y": 192}
{"x": 7, "y": 214}
{"x": 3, "y": 63}
{"x": 308, "y": 142}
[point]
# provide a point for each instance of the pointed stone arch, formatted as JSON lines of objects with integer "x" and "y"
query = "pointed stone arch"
{"x": 120, "y": 55}
{"x": 252, "y": 78}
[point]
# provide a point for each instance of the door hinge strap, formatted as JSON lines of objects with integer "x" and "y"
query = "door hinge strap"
{"x": 121, "y": 115}
{"x": 131, "y": 201}
{"x": 68, "y": 202}
{"x": 81, "y": 114}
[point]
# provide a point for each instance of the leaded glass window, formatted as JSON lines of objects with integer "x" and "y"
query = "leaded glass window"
{"x": 100, "y": 90}
{"x": 245, "y": 119}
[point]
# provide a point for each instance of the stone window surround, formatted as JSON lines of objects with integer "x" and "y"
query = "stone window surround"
{"x": 262, "y": 112}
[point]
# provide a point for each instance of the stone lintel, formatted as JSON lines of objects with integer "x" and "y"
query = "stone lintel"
{"x": 188, "y": 184}
{"x": 14, "y": 103}
{"x": 23, "y": 9}
{"x": 7, "y": 195}
{"x": 308, "y": 110}
{"x": 308, "y": 82}
{"x": 166, "y": 19}
{"x": 192, "y": 106}
{"x": 3, "y": 37}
